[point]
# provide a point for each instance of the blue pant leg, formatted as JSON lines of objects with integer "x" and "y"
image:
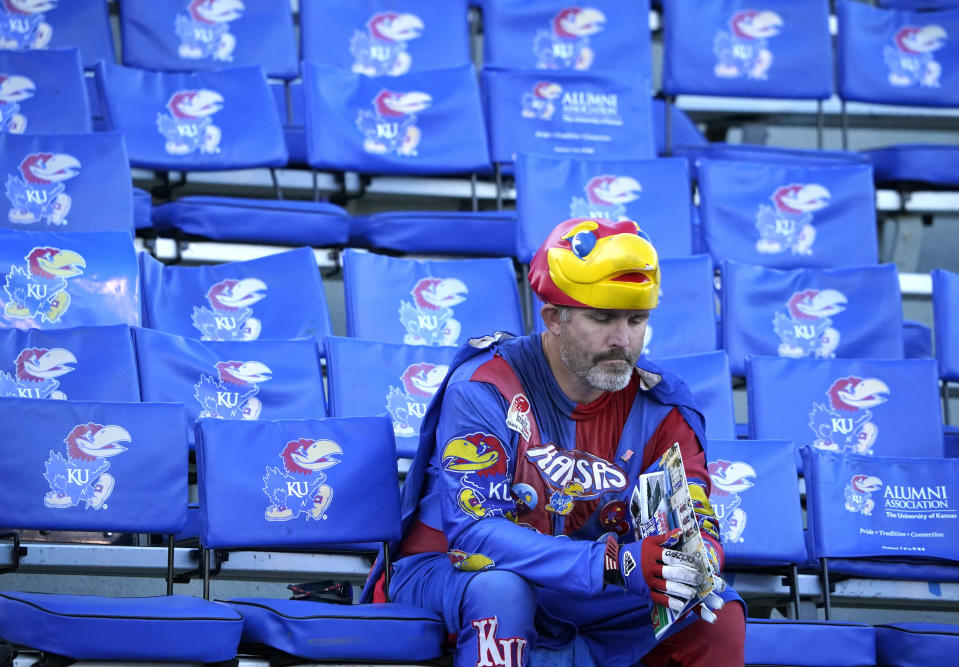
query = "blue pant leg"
{"x": 492, "y": 613}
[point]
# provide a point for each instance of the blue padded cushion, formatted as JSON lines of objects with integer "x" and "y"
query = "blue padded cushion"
{"x": 950, "y": 435}
{"x": 916, "y": 339}
{"x": 921, "y": 163}
{"x": 324, "y": 631}
{"x": 491, "y": 233}
{"x": 895, "y": 568}
{"x": 809, "y": 643}
{"x": 233, "y": 219}
{"x": 916, "y": 644}
{"x": 92, "y": 627}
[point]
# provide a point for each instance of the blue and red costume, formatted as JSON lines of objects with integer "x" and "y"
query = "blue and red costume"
{"x": 515, "y": 498}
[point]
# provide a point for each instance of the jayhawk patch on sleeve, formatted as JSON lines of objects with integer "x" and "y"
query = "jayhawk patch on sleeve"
{"x": 481, "y": 463}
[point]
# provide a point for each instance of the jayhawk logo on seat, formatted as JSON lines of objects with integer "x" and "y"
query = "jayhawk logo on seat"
{"x": 82, "y": 475}
{"x": 858, "y": 493}
{"x": 38, "y": 193}
{"x": 391, "y": 126}
{"x": 481, "y": 463}
{"x": 540, "y": 102}
{"x": 232, "y": 394}
{"x": 407, "y": 404}
{"x": 39, "y": 290}
{"x": 300, "y": 487}
{"x": 787, "y": 224}
{"x": 844, "y": 423}
{"x": 806, "y": 328}
{"x": 743, "y": 50}
{"x": 187, "y": 126}
{"x": 606, "y": 197}
{"x": 729, "y": 479}
{"x": 22, "y": 24}
{"x": 381, "y": 50}
{"x": 566, "y": 44}
{"x": 910, "y": 56}
{"x": 13, "y": 90}
{"x": 36, "y": 371}
{"x": 204, "y": 30}
{"x": 428, "y": 320}
{"x": 231, "y": 317}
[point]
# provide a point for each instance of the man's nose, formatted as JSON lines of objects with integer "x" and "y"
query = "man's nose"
{"x": 619, "y": 335}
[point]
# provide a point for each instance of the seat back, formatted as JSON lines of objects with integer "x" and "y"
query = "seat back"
{"x": 399, "y": 382}
{"x": 41, "y": 284}
{"x": 43, "y": 92}
{"x": 209, "y": 120}
{"x": 374, "y": 38}
{"x": 882, "y": 507}
{"x": 707, "y": 375}
{"x": 602, "y": 114}
{"x": 67, "y": 182}
{"x": 428, "y": 302}
{"x": 684, "y": 322}
{"x": 420, "y": 122}
{"x": 755, "y": 492}
{"x": 178, "y": 35}
{"x": 64, "y": 25}
{"x": 814, "y": 313}
{"x": 897, "y": 56}
{"x": 545, "y": 35}
{"x": 654, "y": 193}
{"x": 297, "y": 483}
{"x": 80, "y": 364}
{"x": 860, "y": 406}
{"x": 94, "y": 466}
{"x": 249, "y": 380}
{"x": 788, "y": 216}
{"x": 945, "y": 297}
{"x": 730, "y": 48}
{"x": 277, "y": 296}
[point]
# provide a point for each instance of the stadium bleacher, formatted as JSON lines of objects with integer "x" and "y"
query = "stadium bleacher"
{"x": 279, "y": 221}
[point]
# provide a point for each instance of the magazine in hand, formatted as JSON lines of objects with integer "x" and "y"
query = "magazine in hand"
{"x": 661, "y": 503}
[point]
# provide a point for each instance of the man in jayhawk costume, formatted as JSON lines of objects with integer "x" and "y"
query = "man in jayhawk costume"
{"x": 516, "y": 521}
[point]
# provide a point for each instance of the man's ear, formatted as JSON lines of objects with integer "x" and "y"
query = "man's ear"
{"x": 550, "y": 315}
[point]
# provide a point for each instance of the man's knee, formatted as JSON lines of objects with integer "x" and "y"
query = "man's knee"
{"x": 496, "y": 592}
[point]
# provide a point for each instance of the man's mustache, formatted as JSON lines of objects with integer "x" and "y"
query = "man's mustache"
{"x": 615, "y": 355}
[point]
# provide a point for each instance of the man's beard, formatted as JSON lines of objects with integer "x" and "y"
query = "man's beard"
{"x": 589, "y": 370}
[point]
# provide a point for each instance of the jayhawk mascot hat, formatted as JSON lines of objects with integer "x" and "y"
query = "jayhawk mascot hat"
{"x": 596, "y": 263}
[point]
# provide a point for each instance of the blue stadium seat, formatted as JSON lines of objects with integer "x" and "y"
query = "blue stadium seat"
{"x": 210, "y": 120}
{"x": 291, "y": 104}
{"x": 859, "y": 406}
{"x": 707, "y": 375}
{"x": 916, "y": 340}
{"x": 881, "y": 517}
{"x": 50, "y": 280}
{"x": 418, "y": 123}
{"x": 378, "y": 38}
{"x": 915, "y": 644}
{"x": 399, "y": 381}
{"x": 945, "y": 296}
{"x": 546, "y": 35}
{"x": 681, "y": 129}
{"x": 249, "y": 380}
{"x": 177, "y": 35}
{"x": 142, "y": 209}
{"x": 788, "y": 215}
{"x": 470, "y": 233}
{"x": 119, "y": 467}
{"x": 917, "y": 68}
{"x": 43, "y": 92}
{"x": 654, "y": 193}
{"x": 52, "y": 25}
{"x": 815, "y": 313}
{"x": 277, "y": 296}
{"x": 602, "y": 114}
{"x": 428, "y": 302}
{"x": 809, "y": 643}
{"x": 79, "y": 364}
{"x": 311, "y": 484}
{"x": 67, "y": 182}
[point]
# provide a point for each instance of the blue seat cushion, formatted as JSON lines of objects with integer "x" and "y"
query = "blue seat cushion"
{"x": 489, "y": 233}
{"x": 931, "y": 569}
{"x": 92, "y": 627}
{"x": 324, "y": 631}
{"x": 916, "y": 644}
{"x": 915, "y": 163}
{"x": 809, "y": 643}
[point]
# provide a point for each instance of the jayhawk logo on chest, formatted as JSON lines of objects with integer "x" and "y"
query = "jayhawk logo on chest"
{"x": 573, "y": 475}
